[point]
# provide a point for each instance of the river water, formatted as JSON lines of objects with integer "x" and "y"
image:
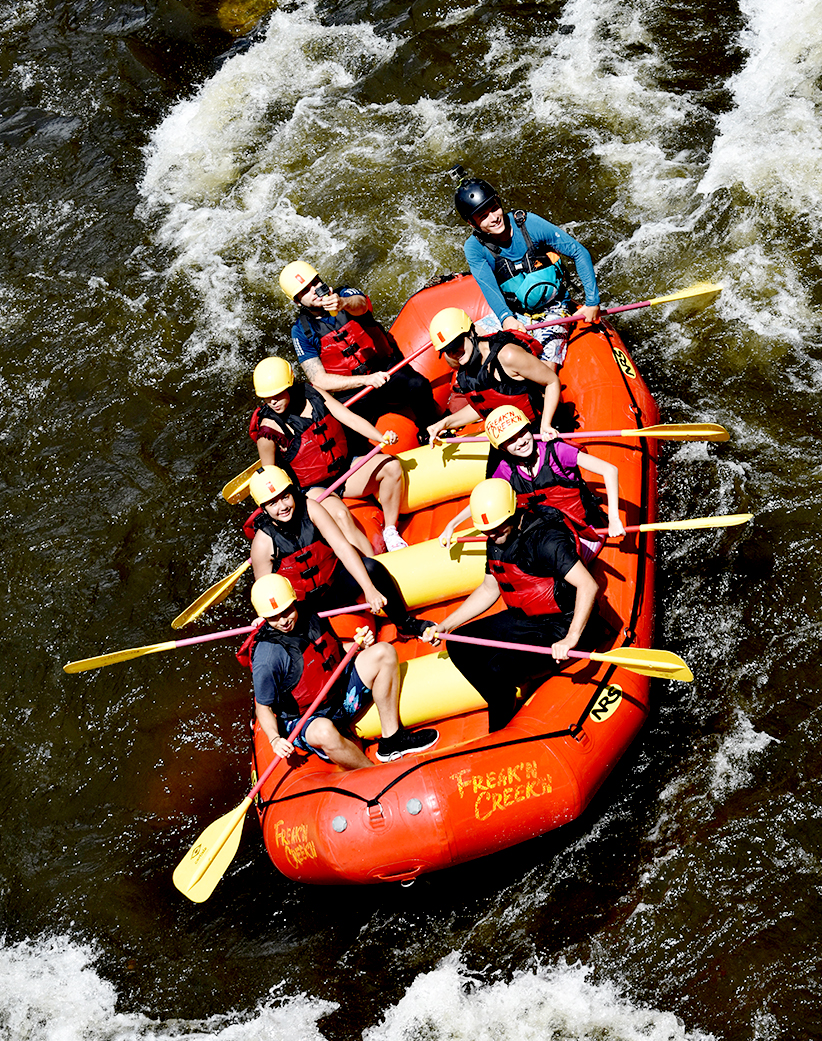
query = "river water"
{"x": 156, "y": 175}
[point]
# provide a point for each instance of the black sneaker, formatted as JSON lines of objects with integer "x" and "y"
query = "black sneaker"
{"x": 404, "y": 742}
{"x": 412, "y": 627}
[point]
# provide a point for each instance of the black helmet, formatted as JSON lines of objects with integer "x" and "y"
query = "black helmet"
{"x": 473, "y": 194}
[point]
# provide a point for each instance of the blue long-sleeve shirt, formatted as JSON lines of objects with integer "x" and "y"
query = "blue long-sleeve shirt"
{"x": 481, "y": 260}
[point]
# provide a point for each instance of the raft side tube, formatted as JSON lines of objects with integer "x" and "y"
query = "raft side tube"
{"x": 431, "y": 688}
{"x": 428, "y": 573}
{"x": 442, "y": 473}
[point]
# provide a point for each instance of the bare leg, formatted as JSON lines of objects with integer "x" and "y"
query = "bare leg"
{"x": 379, "y": 670}
{"x": 322, "y": 734}
{"x": 342, "y": 515}
{"x": 381, "y": 476}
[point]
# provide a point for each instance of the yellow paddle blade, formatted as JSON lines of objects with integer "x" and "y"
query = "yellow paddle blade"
{"x": 648, "y": 662}
{"x": 237, "y": 488}
{"x": 728, "y": 521}
{"x": 711, "y": 289}
{"x": 110, "y": 659}
{"x": 207, "y": 861}
{"x": 682, "y": 432}
{"x": 213, "y": 595}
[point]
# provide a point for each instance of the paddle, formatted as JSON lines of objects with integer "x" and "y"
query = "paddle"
{"x": 394, "y": 368}
{"x": 206, "y": 862}
{"x": 237, "y": 488}
{"x": 137, "y": 652}
{"x": 645, "y": 662}
{"x": 101, "y": 660}
{"x": 726, "y": 521}
{"x": 213, "y": 595}
{"x": 219, "y": 591}
{"x": 701, "y": 289}
{"x": 665, "y": 431}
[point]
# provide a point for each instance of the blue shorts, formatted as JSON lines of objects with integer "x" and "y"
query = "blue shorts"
{"x": 357, "y": 698}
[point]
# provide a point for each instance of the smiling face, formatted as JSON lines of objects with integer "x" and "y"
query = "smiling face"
{"x": 491, "y": 219}
{"x": 281, "y": 508}
{"x": 521, "y": 445}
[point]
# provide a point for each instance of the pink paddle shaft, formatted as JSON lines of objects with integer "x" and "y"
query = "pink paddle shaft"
{"x": 505, "y": 646}
{"x": 573, "y": 318}
{"x": 544, "y": 437}
{"x": 341, "y": 480}
{"x": 295, "y": 733}
{"x": 394, "y": 368}
{"x": 599, "y": 531}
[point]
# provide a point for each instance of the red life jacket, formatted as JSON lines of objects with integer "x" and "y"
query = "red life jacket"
{"x": 315, "y": 447}
{"x": 567, "y": 500}
{"x": 531, "y": 594}
{"x": 487, "y": 385}
{"x": 314, "y": 652}
{"x": 350, "y": 345}
{"x": 305, "y": 559}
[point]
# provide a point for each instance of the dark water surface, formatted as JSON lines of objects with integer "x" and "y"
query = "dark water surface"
{"x": 157, "y": 173}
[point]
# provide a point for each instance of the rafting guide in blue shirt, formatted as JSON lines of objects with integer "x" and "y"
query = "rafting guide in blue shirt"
{"x": 515, "y": 258}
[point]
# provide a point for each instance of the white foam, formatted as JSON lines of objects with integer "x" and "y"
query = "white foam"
{"x": 227, "y": 169}
{"x": 771, "y": 141}
{"x": 51, "y": 991}
{"x": 560, "y": 1002}
{"x": 738, "y": 750}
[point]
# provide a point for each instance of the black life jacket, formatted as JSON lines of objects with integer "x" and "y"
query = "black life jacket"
{"x": 535, "y": 280}
{"x": 351, "y": 345}
{"x": 314, "y": 446}
{"x": 570, "y": 495}
{"x": 300, "y": 553}
{"x": 530, "y": 593}
{"x": 487, "y": 385}
{"x": 314, "y": 652}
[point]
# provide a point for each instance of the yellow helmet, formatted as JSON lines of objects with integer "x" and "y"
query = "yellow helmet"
{"x": 492, "y": 502}
{"x": 447, "y": 325}
{"x": 295, "y": 276}
{"x": 267, "y": 482}
{"x": 503, "y": 423}
{"x": 271, "y": 594}
{"x": 272, "y": 376}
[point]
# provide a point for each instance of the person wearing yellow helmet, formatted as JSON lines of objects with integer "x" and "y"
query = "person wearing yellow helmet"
{"x": 501, "y": 369}
{"x": 515, "y": 259}
{"x": 296, "y": 537}
{"x": 342, "y": 348}
{"x": 291, "y": 655}
{"x": 534, "y": 564}
{"x": 304, "y": 429}
{"x": 545, "y": 475}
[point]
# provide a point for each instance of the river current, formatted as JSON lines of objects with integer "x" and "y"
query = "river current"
{"x": 159, "y": 168}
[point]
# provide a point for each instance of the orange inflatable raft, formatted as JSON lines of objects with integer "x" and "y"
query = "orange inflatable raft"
{"x": 475, "y": 792}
